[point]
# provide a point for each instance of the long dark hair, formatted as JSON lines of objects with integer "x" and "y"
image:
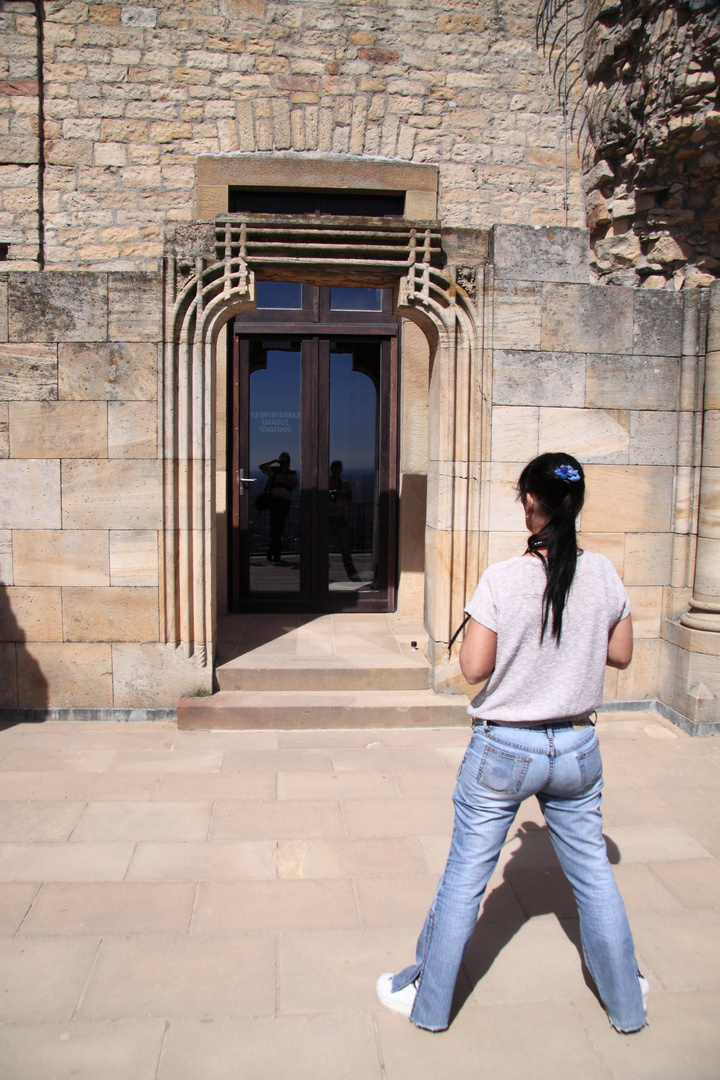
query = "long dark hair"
{"x": 557, "y": 482}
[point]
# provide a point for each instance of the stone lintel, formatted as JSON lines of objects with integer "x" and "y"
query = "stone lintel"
{"x": 215, "y": 173}
{"x": 314, "y": 170}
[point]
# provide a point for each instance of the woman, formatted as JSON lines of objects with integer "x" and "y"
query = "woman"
{"x": 542, "y": 628}
{"x": 282, "y": 481}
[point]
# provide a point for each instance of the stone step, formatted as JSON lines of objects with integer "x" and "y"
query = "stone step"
{"x": 377, "y": 672}
{"x": 311, "y": 709}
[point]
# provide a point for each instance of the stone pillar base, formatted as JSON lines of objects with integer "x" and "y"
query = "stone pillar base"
{"x": 690, "y": 675}
{"x": 702, "y": 615}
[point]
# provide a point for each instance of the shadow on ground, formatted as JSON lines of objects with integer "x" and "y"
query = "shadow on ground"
{"x": 533, "y": 882}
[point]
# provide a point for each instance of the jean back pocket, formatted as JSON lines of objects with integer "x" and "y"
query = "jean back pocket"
{"x": 590, "y": 764}
{"x": 502, "y": 771}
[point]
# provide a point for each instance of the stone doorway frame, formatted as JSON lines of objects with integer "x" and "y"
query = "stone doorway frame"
{"x": 203, "y": 292}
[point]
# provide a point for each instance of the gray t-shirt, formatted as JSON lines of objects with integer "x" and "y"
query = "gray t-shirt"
{"x": 533, "y": 682}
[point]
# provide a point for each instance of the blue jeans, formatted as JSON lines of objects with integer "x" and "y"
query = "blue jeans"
{"x": 502, "y": 766}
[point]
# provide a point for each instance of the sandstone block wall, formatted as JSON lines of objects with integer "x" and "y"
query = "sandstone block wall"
{"x": 134, "y": 93}
{"x": 80, "y": 495}
{"x": 601, "y": 372}
{"x": 595, "y": 372}
{"x": 19, "y": 134}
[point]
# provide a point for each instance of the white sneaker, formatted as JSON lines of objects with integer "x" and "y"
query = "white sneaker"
{"x": 644, "y": 988}
{"x": 401, "y": 1001}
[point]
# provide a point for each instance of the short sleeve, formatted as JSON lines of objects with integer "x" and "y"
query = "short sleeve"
{"x": 482, "y": 605}
{"x": 616, "y": 593}
{"x": 623, "y": 601}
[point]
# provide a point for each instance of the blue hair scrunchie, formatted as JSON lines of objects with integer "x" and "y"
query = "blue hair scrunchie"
{"x": 567, "y": 472}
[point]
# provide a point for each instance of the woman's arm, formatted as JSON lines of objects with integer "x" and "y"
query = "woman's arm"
{"x": 477, "y": 652}
{"x": 620, "y": 644}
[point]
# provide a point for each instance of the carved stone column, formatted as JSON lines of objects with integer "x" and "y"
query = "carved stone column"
{"x": 453, "y": 320}
{"x": 704, "y": 611}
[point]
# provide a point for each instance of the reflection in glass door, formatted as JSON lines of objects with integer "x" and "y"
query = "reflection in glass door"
{"x": 275, "y": 466}
{"x": 354, "y": 456}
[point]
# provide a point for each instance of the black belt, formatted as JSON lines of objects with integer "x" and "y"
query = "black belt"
{"x": 581, "y": 722}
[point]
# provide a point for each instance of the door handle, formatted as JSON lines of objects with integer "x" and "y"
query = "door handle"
{"x": 242, "y": 480}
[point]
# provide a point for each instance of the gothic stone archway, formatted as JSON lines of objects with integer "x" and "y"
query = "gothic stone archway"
{"x": 203, "y": 292}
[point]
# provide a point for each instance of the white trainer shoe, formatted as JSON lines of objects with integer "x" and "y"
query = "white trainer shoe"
{"x": 644, "y": 988}
{"x": 401, "y": 1001}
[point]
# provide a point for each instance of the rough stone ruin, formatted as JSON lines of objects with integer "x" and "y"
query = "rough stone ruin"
{"x": 651, "y": 70}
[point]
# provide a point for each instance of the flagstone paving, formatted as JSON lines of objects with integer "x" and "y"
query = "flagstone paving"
{"x": 215, "y": 905}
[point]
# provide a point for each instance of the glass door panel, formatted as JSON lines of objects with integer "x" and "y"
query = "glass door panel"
{"x": 313, "y": 432}
{"x": 275, "y": 465}
{"x": 343, "y": 298}
{"x": 280, "y": 295}
{"x": 354, "y": 460}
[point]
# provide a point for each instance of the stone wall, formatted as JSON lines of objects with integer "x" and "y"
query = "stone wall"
{"x": 19, "y": 135}
{"x": 134, "y": 93}
{"x": 80, "y": 495}
{"x": 652, "y": 71}
{"x": 131, "y": 95}
{"x": 595, "y": 372}
{"x": 610, "y": 374}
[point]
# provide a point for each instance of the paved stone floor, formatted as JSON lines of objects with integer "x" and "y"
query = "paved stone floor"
{"x": 216, "y": 905}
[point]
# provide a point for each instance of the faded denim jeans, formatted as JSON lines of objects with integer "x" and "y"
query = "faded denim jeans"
{"x": 561, "y": 765}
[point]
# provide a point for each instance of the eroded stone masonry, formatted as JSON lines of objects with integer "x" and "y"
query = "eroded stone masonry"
{"x": 652, "y": 72}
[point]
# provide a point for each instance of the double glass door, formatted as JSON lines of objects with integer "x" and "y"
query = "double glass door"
{"x": 312, "y": 470}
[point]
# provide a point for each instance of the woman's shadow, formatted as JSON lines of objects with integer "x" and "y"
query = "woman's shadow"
{"x": 23, "y": 686}
{"x": 533, "y": 884}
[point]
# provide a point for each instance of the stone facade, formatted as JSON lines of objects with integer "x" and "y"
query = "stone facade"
{"x": 20, "y": 175}
{"x": 132, "y": 94}
{"x": 80, "y": 495}
{"x": 598, "y": 370}
{"x": 613, "y": 374}
{"x": 115, "y": 170}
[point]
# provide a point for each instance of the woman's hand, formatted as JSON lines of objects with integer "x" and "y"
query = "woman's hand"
{"x": 477, "y": 652}
{"x": 620, "y": 644}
